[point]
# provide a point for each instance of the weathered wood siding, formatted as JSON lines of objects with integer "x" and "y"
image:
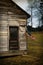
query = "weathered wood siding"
{"x": 21, "y": 23}
{"x": 3, "y": 33}
{"x": 6, "y": 21}
{"x": 22, "y": 36}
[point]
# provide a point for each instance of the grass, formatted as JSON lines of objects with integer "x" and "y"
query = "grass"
{"x": 36, "y": 46}
{"x": 35, "y": 53}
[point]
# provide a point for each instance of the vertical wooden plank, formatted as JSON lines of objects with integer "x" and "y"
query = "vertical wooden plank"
{"x": 22, "y": 38}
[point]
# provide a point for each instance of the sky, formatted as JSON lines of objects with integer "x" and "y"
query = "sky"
{"x": 25, "y": 5}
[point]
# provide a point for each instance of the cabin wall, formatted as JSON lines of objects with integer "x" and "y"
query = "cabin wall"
{"x": 3, "y": 33}
{"x": 22, "y": 35}
{"x": 5, "y": 22}
{"x": 22, "y": 38}
{"x": 21, "y": 23}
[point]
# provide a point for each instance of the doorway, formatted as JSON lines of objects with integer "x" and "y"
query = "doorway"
{"x": 13, "y": 38}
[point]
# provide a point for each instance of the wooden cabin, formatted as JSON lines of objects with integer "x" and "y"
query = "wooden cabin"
{"x": 12, "y": 29}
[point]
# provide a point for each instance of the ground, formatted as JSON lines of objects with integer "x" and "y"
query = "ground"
{"x": 34, "y": 55}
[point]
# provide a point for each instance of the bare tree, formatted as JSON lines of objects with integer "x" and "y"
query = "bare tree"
{"x": 41, "y": 10}
{"x": 35, "y": 4}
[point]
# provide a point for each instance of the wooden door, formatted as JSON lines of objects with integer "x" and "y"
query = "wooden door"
{"x": 13, "y": 41}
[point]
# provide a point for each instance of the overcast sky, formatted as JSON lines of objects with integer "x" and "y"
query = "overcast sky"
{"x": 25, "y": 4}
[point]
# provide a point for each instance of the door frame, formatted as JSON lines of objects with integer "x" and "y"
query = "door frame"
{"x": 18, "y": 36}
